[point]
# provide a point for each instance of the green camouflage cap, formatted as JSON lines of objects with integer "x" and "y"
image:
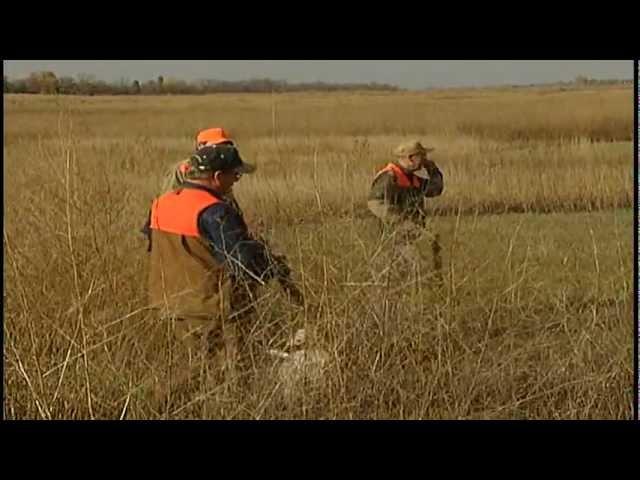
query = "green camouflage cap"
{"x": 221, "y": 157}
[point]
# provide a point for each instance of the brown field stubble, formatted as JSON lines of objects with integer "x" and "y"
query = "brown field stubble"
{"x": 533, "y": 318}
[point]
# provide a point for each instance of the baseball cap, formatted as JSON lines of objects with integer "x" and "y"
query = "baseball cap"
{"x": 213, "y": 136}
{"x": 222, "y": 157}
{"x": 411, "y": 148}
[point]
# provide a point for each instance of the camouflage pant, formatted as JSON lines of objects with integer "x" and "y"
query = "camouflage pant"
{"x": 199, "y": 362}
{"x": 398, "y": 246}
{"x": 211, "y": 352}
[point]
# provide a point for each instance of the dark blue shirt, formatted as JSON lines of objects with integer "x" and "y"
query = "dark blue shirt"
{"x": 223, "y": 227}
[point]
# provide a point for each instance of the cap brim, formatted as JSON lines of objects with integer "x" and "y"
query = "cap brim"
{"x": 404, "y": 154}
{"x": 213, "y": 143}
{"x": 246, "y": 168}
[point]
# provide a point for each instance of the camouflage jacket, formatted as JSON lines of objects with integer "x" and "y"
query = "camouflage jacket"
{"x": 388, "y": 201}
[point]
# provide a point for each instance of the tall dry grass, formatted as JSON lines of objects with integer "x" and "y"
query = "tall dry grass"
{"x": 533, "y": 319}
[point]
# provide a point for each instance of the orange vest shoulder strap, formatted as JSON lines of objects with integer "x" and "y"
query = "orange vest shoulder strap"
{"x": 401, "y": 177}
{"x": 384, "y": 169}
{"x": 416, "y": 181}
{"x": 177, "y": 212}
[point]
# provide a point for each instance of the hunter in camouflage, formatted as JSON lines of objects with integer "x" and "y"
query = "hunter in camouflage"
{"x": 398, "y": 194}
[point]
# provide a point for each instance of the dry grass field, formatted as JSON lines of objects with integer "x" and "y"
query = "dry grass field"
{"x": 533, "y": 318}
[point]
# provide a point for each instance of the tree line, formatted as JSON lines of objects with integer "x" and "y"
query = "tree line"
{"x": 48, "y": 83}
{"x": 583, "y": 80}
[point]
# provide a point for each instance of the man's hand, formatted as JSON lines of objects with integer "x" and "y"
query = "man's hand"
{"x": 281, "y": 267}
{"x": 282, "y": 273}
{"x": 430, "y": 166}
{"x": 292, "y": 290}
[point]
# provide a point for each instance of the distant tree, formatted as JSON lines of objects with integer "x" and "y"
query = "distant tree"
{"x": 67, "y": 86}
{"x": 122, "y": 87}
{"x": 148, "y": 88}
{"x": 100, "y": 87}
{"x": 47, "y": 83}
{"x": 19, "y": 86}
{"x": 582, "y": 80}
{"x": 33, "y": 83}
{"x": 86, "y": 84}
{"x": 42, "y": 82}
{"x": 173, "y": 86}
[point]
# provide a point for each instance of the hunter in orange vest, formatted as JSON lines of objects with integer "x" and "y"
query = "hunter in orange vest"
{"x": 204, "y": 264}
{"x": 397, "y": 199}
{"x": 397, "y": 193}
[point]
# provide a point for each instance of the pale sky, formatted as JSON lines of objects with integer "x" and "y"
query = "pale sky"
{"x": 411, "y": 74}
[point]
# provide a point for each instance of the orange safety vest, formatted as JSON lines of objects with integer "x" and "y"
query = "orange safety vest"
{"x": 177, "y": 212}
{"x": 401, "y": 177}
